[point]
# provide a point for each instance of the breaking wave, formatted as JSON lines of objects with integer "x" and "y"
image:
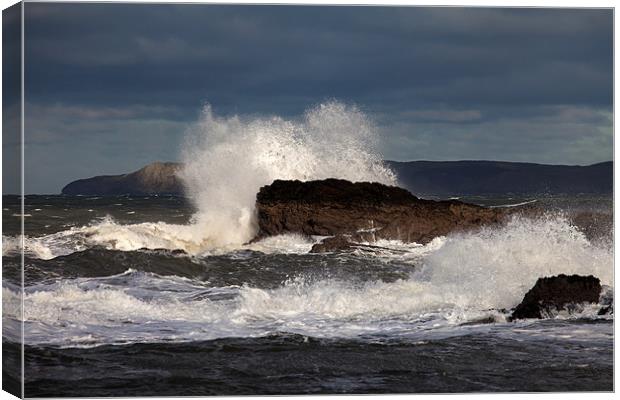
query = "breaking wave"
{"x": 495, "y": 267}
{"x": 457, "y": 279}
{"x": 111, "y": 235}
{"x": 228, "y": 159}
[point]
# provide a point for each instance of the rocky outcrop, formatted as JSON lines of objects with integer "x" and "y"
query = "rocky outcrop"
{"x": 364, "y": 211}
{"x": 558, "y": 293}
{"x": 155, "y": 178}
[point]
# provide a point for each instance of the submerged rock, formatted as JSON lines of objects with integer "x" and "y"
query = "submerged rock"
{"x": 331, "y": 244}
{"x": 346, "y": 243}
{"x": 557, "y": 293}
{"x": 365, "y": 211}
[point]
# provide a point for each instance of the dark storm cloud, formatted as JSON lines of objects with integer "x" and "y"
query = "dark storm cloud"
{"x": 145, "y": 53}
{"x": 429, "y": 76}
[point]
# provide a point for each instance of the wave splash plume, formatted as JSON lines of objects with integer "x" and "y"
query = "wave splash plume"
{"x": 227, "y": 160}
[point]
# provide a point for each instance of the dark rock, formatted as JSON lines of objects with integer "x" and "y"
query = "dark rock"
{"x": 155, "y": 178}
{"x": 557, "y": 293}
{"x": 366, "y": 211}
{"x": 345, "y": 243}
{"x": 332, "y": 244}
{"x": 607, "y": 310}
{"x": 484, "y": 320}
{"x": 606, "y": 301}
{"x": 173, "y": 252}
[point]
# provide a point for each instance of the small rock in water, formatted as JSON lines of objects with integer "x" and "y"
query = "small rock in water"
{"x": 331, "y": 244}
{"x": 556, "y": 293}
{"x": 607, "y": 301}
{"x": 607, "y": 310}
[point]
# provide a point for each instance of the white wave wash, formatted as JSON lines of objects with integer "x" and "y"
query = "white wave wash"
{"x": 464, "y": 278}
{"x": 111, "y": 235}
{"x": 227, "y": 160}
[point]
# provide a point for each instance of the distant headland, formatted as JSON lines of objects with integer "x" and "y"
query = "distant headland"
{"x": 423, "y": 178}
{"x": 154, "y": 178}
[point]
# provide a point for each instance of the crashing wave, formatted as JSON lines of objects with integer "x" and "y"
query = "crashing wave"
{"x": 460, "y": 279}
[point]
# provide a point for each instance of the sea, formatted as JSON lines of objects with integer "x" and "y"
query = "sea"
{"x": 119, "y": 302}
{"x": 169, "y": 296}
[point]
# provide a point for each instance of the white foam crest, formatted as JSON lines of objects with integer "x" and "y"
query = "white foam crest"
{"x": 44, "y": 248}
{"x": 290, "y": 243}
{"x": 86, "y": 312}
{"x": 151, "y": 235}
{"x": 71, "y": 302}
{"x": 11, "y": 245}
{"x": 227, "y": 160}
{"x": 340, "y": 300}
{"x": 109, "y": 234}
{"x": 399, "y": 250}
{"x": 131, "y": 307}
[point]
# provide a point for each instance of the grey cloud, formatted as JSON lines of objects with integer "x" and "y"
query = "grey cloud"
{"x": 64, "y": 143}
{"x": 443, "y": 83}
{"x": 584, "y": 137}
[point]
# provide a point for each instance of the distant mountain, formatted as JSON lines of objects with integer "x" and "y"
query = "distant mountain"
{"x": 444, "y": 178}
{"x": 155, "y": 178}
{"x": 422, "y": 178}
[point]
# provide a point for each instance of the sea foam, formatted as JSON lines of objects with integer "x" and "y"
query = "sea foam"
{"x": 457, "y": 279}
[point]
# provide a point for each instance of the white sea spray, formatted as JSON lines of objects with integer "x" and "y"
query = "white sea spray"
{"x": 228, "y": 159}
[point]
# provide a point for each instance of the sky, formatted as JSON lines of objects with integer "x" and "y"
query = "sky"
{"x": 112, "y": 87}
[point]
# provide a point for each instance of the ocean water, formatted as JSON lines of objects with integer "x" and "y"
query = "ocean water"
{"x": 163, "y": 296}
{"x": 120, "y": 300}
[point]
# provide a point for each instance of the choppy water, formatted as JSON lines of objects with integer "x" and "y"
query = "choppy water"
{"x": 112, "y": 307}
